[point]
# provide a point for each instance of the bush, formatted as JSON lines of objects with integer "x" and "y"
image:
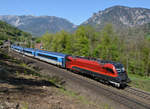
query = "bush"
{"x": 1, "y": 42}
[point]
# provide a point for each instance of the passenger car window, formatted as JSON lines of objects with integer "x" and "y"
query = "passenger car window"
{"x": 48, "y": 57}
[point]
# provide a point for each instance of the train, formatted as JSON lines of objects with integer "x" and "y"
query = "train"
{"x": 103, "y": 70}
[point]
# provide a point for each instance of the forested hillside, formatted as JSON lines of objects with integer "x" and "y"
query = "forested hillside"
{"x": 130, "y": 47}
{"x": 9, "y": 32}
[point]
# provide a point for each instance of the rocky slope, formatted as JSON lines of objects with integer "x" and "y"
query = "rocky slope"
{"x": 120, "y": 16}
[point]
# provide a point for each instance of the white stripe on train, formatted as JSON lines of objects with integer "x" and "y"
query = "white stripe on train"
{"x": 49, "y": 60}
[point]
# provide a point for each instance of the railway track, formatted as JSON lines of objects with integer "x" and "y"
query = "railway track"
{"x": 139, "y": 93}
{"x": 97, "y": 88}
{"x": 125, "y": 100}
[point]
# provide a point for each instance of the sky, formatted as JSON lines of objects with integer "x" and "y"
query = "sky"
{"x": 76, "y": 11}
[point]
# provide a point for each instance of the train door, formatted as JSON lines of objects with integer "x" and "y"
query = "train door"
{"x": 63, "y": 62}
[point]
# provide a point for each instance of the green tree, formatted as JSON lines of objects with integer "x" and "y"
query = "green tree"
{"x": 47, "y": 40}
{"x": 81, "y": 42}
{"x": 60, "y": 41}
{"x": 108, "y": 47}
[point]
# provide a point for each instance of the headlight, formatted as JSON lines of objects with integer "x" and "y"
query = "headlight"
{"x": 123, "y": 69}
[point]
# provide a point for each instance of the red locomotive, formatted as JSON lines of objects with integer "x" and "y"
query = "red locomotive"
{"x": 108, "y": 71}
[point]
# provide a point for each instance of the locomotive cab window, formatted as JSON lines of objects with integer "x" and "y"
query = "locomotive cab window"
{"x": 68, "y": 60}
{"x": 109, "y": 70}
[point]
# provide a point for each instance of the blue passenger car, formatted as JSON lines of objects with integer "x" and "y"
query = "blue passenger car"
{"x": 51, "y": 57}
{"x": 29, "y": 51}
{"x": 12, "y": 47}
{"x": 17, "y": 48}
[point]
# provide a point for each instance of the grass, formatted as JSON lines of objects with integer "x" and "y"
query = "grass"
{"x": 75, "y": 95}
{"x": 140, "y": 82}
{"x": 28, "y": 70}
{"x": 25, "y": 106}
{"x": 83, "y": 99}
{"x": 53, "y": 79}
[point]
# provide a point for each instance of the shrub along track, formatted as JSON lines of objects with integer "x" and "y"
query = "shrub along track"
{"x": 94, "y": 89}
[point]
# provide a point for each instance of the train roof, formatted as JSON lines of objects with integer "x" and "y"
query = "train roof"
{"x": 116, "y": 64}
{"x": 53, "y": 53}
{"x": 16, "y": 46}
{"x": 29, "y": 49}
{"x": 42, "y": 51}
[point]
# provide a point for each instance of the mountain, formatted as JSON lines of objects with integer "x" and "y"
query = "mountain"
{"x": 8, "y": 31}
{"x": 38, "y": 25}
{"x": 119, "y": 16}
